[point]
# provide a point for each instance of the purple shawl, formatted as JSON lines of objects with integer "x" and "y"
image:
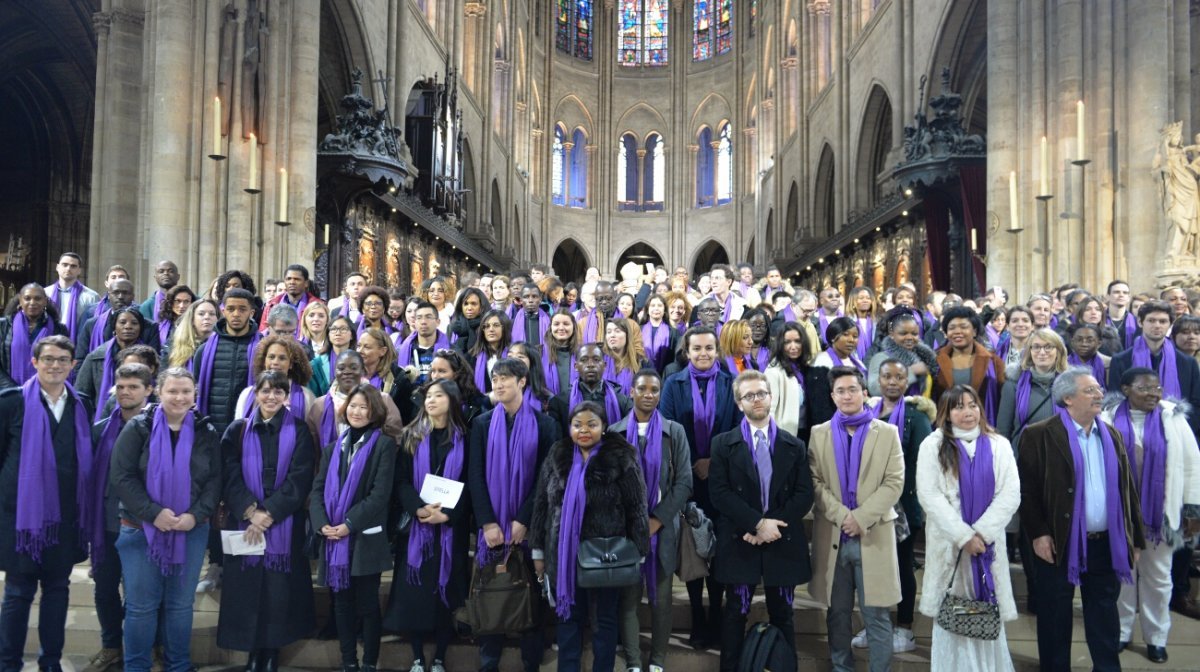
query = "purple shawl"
{"x": 328, "y": 428}
{"x": 866, "y": 336}
{"x": 96, "y": 338}
{"x": 169, "y": 484}
{"x": 853, "y": 360}
{"x": 511, "y": 466}
{"x": 1152, "y": 478}
{"x": 1118, "y": 545}
{"x": 622, "y": 377}
{"x": 704, "y": 408}
{"x": 38, "y": 505}
{"x": 21, "y": 352}
{"x": 977, "y": 489}
{"x": 569, "y": 528}
{"x": 652, "y": 470}
{"x": 656, "y": 341}
{"x": 612, "y": 405}
{"x": 404, "y": 351}
{"x": 1096, "y": 365}
{"x": 518, "y": 326}
{"x": 896, "y": 418}
{"x": 208, "y": 357}
{"x": 279, "y": 535}
{"x": 70, "y": 311}
{"x": 847, "y": 451}
{"x": 1168, "y": 371}
{"x": 104, "y": 449}
{"x": 421, "y": 538}
{"x": 339, "y": 496}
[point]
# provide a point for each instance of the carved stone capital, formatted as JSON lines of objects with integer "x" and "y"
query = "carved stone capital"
{"x": 503, "y": 66}
{"x": 474, "y": 9}
{"x": 101, "y": 23}
{"x": 129, "y": 16}
{"x": 819, "y": 7}
{"x": 790, "y": 63}
{"x": 768, "y": 104}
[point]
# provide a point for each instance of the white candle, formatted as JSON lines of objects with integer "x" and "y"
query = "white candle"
{"x": 326, "y": 235}
{"x": 1045, "y": 191}
{"x": 1014, "y": 223}
{"x": 216, "y": 126}
{"x": 283, "y": 195}
{"x": 1080, "y": 135}
{"x": 974, "y": 241}
{"x": 253, "y": 163}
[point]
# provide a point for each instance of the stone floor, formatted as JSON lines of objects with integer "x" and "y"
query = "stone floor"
{"x": 83, "y": 640}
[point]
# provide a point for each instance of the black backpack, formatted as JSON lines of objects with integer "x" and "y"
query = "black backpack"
{"x": 765, "y": 650}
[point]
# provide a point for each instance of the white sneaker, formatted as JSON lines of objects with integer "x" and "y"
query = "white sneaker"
{"x": 656, "y": 668}
{"x": 417, "y": 667}
{"x": 211, "y": 580}
{"x": 860, "y": 640}
{"x": 903, "y": 640}
{"x": 437, "y": 667}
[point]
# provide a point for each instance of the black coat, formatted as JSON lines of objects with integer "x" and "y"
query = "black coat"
{"x": 734, "y": 488}
{"x": 481, "y": 502}
{"x": 412, "y": 604}
{"x": 6, "y": 325}
{"x": 131, "y": 455}
{"x": 1189, "y": 378}
{"x": 68, "y": 550}
{"x": 676, "y": 404}
{"x": 369, "y": 553}
{"x": 560, "y": 404}
{"x": 262, "y": 608}
{"x": 230, "y": 372}
{"x": 616, "y": 498}
{"x": 401, "y": 392}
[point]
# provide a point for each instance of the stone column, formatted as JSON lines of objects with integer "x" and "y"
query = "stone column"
{"x": 1002, "y": 45}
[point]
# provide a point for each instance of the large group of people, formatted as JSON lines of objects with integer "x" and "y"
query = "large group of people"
{"x": 272, "y": 441}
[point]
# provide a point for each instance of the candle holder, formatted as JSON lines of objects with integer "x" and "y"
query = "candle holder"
{"x": 253, "y": 191}
{"x": 283, "y": 223}
{"x": 1081, "y": 162}
{"x": 217, "y": 157}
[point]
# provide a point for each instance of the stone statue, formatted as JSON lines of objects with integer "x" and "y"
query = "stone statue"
{"x": 1179, "y": 192}
{"x": 254, "y": 72}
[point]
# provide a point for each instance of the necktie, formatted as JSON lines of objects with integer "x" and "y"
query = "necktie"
{"x": 762, "y": 460}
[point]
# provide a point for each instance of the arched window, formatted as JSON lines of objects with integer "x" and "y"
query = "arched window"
{"x": 642, "y": 30}
{"x": 627, "y": 173}
{"x": 574, "y": 34}
{"x": 714, "y": 167}
{"x": 577, "y": 171}
{"x": 705, "y": 160}
{"x": 558, "y": 168}
{"x": 712, "y": 33}
{"x": 654, "y": 175}
{"x": 724, "y": 169}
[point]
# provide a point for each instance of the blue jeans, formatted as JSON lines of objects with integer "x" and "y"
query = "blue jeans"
{"x": 19, "y": 591}
{"x": 146, "y": 589}
{"x": 604, "y": 632}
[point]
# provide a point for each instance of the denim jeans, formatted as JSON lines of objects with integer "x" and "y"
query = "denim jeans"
{"x": 146, "y": 589}
{"x": 110, "y": 611}
{"x": 19, "y": 590}
{"x": 604, "y": 631}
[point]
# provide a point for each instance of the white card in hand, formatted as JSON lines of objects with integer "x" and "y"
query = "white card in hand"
{"x": 233, "y": 542}
{"x": 438, "y": 490}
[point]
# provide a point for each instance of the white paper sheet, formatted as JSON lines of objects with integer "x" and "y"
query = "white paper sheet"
{"x": 233, "y": 542}
{"x": 438, "y": 490}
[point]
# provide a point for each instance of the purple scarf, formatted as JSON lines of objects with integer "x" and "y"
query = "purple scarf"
{"x": 21, "y": 352}
{"x": 295, "y": 403}
{"x": 550, "y": 369}
{"x": 652, "y": 470}
{"x": 993, "y": 337}
{"x": 1152, "y": 478}
{"x": 762, "y": 357}
{"x": 704, "y": 409}
{"x": 853, "y": 360}
{"x": 1077, "y": 540}
{"x": 38, "y": 506}
{"x": 1130, "y": 328}
{"x": 421, "y": 537}
{"x": 169, "y": 484}
{"x": 593, "y": 326}
{"x": 824, "y": 320}
{"x": 731, "y": 365}
{"x": 404, "y": 351}
{"x": 1096, "y": 365}
{"x": 209, "y": 356}
{"x": 1024, "y": 385}
{"x": 612, "y": 405}
{"x": 1168, "y": 371}
{"x": 991, "y": 390}
{"x": 727, "y": 313}
{"x": 338, "y": 497}
{"x": 847, "y": 451}
{"x": 300, "y": 305}
{"x": 279, "y": 535}
{"x": 623, "y": 377}
{"x": 156, "y": 304}
{"x": 328, "y": 426}
{"x": 108, "y": 439}
{"x": 656, "y": 341}
{"x": 896, "y": 418}
{"x": 481, "y": 371}
{"x": 518, "y": 327}
{"x": 69, "y": 311}
{"x": 511, "y": 465}
{"x": 96, "y": 338}
{"x": 569, "y": 528}
{"x": 977, "y": 489}
{"x": 109, "y": 367}
{"x": 164, "y": 331}
{"x": 866, "y": 336}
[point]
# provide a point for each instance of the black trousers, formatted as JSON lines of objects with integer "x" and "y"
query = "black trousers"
{"x": 1099, "y": 588}
{"x": 733, "y": 625}
{"x": 359, "y": 603}
{"x": 1181, "y": 564}
{"x": 908, "y": 582}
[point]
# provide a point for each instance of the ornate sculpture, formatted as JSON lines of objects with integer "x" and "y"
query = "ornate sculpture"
{"x": 1177, "y": 167}
{"x": 944, "y": 135}
{"x": 363, "y": 130}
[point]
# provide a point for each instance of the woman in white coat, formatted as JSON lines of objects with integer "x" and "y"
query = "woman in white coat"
{"x": 965, "y": 450}
{"x": 1165, "y": 463}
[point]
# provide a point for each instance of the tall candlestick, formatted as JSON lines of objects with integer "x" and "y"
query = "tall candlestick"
{"x": 216, "y": 129}
{"x": 283, "y": 196}
{"x": 1045, "y": 185}
{"x": 1014, "y": 222}
{"x": 326, "y": 235}
{"x": 252, "y": 186}
{"x": 1080, "y": 135}
{"x": 974, "y": 240}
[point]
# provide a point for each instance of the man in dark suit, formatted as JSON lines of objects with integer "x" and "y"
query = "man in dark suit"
{"x": 706, "y": 414}
{"x": 763, "y": 489}
{"x": 1156, "y": 318}
{"x": 1085, "y": 522}
{"x": 590, "y": 385}
{"x": 509, "y": 378}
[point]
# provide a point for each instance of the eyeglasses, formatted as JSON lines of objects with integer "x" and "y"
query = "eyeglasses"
{"x": 55, "y": 361}
{"x": 1041, "y": 347}
{"x": 1147, "y": 389}
{"x": 339, "y": 330}
{"x": 756, "y": 396}
{"x": 372, "y": 304}
{"x": 1093, "y": 390}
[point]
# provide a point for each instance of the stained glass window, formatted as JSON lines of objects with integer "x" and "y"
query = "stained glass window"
{"x": 712, "y": 28}
{"x": 724, "y": 176}
{"x": 558, "y": 160}
{"x": 642, "y": 32}
{"x": 704, "y": 169}
{"x": 573, "y": 34}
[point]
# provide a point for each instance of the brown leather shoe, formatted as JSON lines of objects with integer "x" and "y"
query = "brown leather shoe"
{"x": 104, "y": 660}
{"x": 1186, "y": 607}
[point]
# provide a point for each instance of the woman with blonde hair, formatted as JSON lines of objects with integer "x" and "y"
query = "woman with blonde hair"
{"x": 381, "y": 371}
{"x": 864, "y": 310}
{"x": 193, "y": 329}
{"x": 314, "y": 327}
{"x": 624, "y": 353}
{"x": 737, "y": 344}
{"x": 440, "y": 292}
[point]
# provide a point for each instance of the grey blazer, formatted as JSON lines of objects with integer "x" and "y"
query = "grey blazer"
{"x": 674, "y": 487}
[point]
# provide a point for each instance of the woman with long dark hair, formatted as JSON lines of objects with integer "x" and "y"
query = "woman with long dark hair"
{"x": 495, "y": 335}
{"x": 468, "y": 312}
{"x": 787, "y": 374}
{"x": 342, "y": 337}
{"x": 659, "y": 339}
{"x": 559, "y": 344}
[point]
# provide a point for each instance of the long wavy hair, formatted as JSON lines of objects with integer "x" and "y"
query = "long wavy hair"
{"x": 954, "y": 398}
{"x": 421, "y": 426}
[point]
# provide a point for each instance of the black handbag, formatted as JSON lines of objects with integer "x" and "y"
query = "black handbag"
{"x": 608, "y": 562}
{"x": 977, "y": 619}
{"x": 501, "y": 598}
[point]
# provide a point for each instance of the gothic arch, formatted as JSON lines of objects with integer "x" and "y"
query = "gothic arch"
{"x": 824, "y": 222}
{"x": 641, "y": 119}
{"x": 574, "y": 114}
{"x": 497, "y": 213}
{"x": 792, "y": 220}
{"x": 710, "y": 112}
{"x": 710, "y": 253}
{"x": 874, "y": 143}
{"x": 641, "y": 253}
{"x": 961, "y": 45}
{"x": 344, "y": 47}
{"x": 570, "y": 261}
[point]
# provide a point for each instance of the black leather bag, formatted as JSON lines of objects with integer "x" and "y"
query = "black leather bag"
{"x": 501, "y": 598}
{"x": 608, "y": 562}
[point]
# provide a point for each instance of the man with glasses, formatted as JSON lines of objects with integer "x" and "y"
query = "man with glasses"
{"x": 760, "y": 483}
{"x": 857, "y": 467}
{"x": 48, "y": 516}
{"x": 1079, "y": 506}
{"x": 1180, "y": 374}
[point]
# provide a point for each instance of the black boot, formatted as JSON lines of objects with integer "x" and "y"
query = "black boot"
{"x": 252, "y": 662}
{"x": 268, "y": 660}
